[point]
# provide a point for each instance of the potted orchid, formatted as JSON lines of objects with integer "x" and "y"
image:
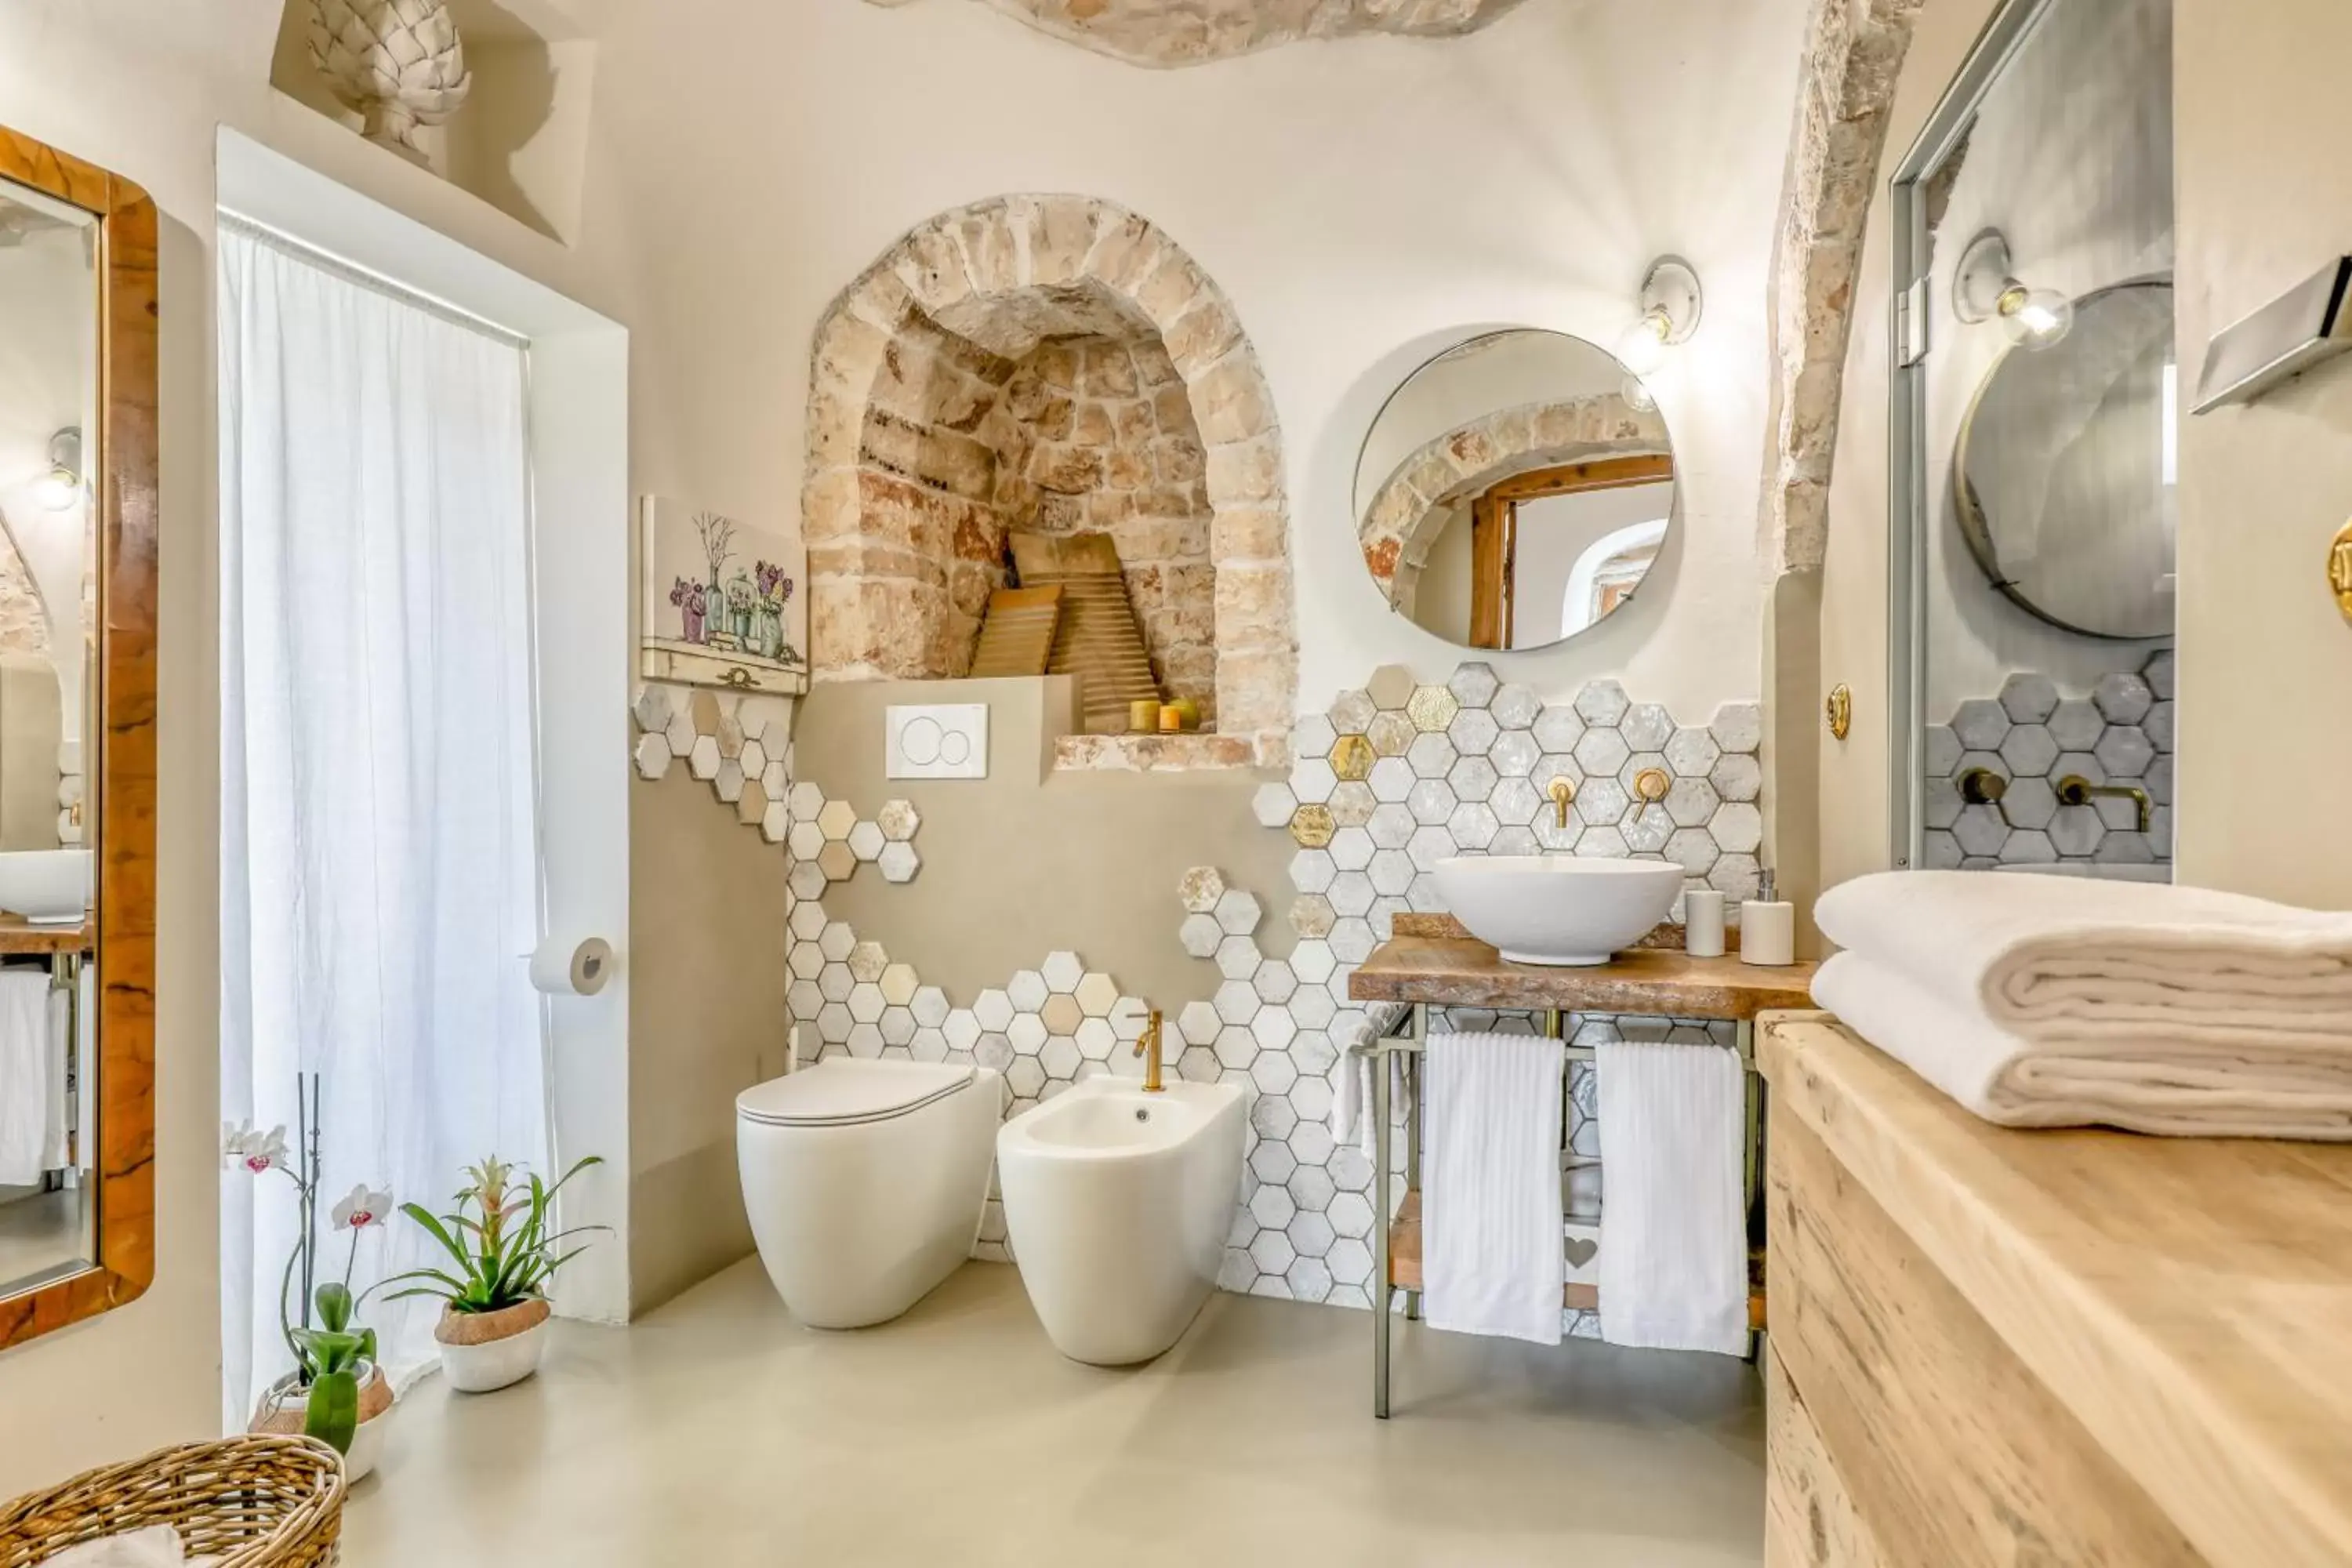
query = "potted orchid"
{"x": 504, "y": 1251}
{"x": 336, "y": 1392}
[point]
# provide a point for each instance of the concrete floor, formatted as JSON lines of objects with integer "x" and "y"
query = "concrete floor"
{"x": 40, "y": 1233}
{"x": 718, "y": 1432}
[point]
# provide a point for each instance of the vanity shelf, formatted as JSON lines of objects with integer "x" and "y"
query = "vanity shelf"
{"x": 1405, "y": 1267}
{"x": 1432, "y": 961}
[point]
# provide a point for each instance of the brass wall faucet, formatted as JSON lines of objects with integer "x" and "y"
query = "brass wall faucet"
{"x": 2076, "y": 790}
{"x": 1563, "y": 795}
{"x": 1153, "y": 1053}
{"x": 1651, "y": 787}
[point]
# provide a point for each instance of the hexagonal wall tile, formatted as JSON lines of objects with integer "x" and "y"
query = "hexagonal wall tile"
{"x": 1200, "y": 889}
{"x": 653, "y": 755}
{"x": 1474, "y": 685}
{"x": 898, "y": 863}
{"x": 898, "y": 820}
{"x": 1390, "y": 687}
{"x": 866, "y": 841}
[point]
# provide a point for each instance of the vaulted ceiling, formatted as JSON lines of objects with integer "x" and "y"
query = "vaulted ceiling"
{"x": 1194, "y": 32}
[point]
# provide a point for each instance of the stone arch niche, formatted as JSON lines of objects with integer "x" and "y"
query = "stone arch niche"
{"x": 1430, "y": 489}
{"x": 1058, "y": 365}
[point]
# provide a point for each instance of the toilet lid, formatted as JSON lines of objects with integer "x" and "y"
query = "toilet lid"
{"x": 842, "y": 1093}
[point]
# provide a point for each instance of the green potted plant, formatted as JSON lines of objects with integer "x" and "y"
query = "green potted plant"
{"x": 336, "y": 1392}
{"x": 504, "y": 1251}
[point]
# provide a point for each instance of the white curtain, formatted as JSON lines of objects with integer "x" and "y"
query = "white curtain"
{"x": 379, "y": 865}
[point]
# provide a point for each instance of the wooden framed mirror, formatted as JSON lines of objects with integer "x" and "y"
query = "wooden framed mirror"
{"x": 77, "y": 596}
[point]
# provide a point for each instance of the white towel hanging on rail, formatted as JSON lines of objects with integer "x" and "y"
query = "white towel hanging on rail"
{"x": 32, "y": 1103}
{"x": 1491, "y": 1215}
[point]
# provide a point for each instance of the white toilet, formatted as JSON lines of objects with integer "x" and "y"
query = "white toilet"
{"x": 865, "y": 1182}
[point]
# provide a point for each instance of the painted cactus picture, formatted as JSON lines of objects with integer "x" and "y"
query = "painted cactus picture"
{"x": 722, "y": 597}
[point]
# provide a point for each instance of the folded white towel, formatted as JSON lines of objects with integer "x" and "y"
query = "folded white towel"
{"x": 2075, "y": 959}
{"x": 1673, "y": 1235}
{"x": 1352, "y": 1096}
{"x": 1491, "y": 1221}
{"x": 2146, "y": 1081}
{"x": 30, "y": 1106}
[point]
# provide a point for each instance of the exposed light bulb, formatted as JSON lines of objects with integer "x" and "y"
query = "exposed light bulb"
{"x": 1638, "y": 395}
{"x": 61, "y": 488}
{"x": 58, "y": 489}
{"x": 2035, "y": 318}
{"x": 1642, "y": 349}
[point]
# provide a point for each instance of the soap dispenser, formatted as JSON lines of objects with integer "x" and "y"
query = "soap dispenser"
{"x": 1768, "y": 929}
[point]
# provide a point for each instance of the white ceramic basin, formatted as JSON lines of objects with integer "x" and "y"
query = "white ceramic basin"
{"x": 1118, "y": 1204}
{"x": 1558, "y": 910}
{"x": 46, "y": 887}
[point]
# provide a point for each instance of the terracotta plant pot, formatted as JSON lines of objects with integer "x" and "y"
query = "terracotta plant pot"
{"x": 282, "y": 1414}
{"x": 482, "y": 1352}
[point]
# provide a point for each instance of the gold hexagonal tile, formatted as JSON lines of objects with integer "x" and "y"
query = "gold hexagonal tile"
{"x": 899, "y": 984}
{"x": 1392, "y": 687}
{"x": 1313, "y": 827}
{"x": 836, "y": 820}
{"x": 1062, "y": 1013}
{"x": 730, "y": 736}
{"x": 703, "y": 710}
{"x": 1433, "y": 709}
{"x": 836, "y": 861}
{"x": 866, "y": 961}
{"x": 751, "y": 806}
{"x": 1391, "y": 735}
{"x": 1352, "y": 758}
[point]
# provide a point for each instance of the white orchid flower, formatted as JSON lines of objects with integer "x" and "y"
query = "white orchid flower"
{"x": 255, "y": 1151}
{"x": 363, "y": 1207}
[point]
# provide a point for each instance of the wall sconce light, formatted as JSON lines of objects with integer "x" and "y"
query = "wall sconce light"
{"x": 1672, "y": 303}
{"x": 1987, "y": 290}
{"x": 61, "y": 488}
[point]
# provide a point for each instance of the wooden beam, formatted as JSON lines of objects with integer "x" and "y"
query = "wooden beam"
{"x": 1489, "y": 572}
{"x": 1575, "y": 478}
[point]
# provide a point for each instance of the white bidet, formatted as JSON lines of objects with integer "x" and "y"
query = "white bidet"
{"x": 1119, "y": 1203}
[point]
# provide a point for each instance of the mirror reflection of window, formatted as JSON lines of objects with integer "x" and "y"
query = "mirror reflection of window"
{"x": 1492, "y": 477}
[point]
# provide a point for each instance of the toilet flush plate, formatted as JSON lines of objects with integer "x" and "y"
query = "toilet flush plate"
{"x": 937, "y": 740}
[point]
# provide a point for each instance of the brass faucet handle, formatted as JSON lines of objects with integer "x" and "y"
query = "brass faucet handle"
{"x": 1983, "y": 786}
{"x": 1563, "y": 795}
{"x": 1651, "y": 787}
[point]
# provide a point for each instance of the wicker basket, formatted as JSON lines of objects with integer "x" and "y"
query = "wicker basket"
{"x": 251, "y": 1502}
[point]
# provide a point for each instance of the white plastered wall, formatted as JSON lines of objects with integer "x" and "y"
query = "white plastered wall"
{"x": 1364, "y": 204}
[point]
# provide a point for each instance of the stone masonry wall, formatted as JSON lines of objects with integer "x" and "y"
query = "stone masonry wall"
{"x": 1096, "y": 435}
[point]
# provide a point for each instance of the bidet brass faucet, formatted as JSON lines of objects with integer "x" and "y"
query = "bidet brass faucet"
{"x": 1150, "y": 1049}
{"x": 1563, "y": 795}
{"x": 2076, "y": 790}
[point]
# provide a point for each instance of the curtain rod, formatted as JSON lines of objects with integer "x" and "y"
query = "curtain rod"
{"x": 370, "y": 279}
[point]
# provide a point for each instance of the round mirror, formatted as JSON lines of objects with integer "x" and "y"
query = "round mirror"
{"x": 1515, "y": 492}
{"x": 2065, "y": 475}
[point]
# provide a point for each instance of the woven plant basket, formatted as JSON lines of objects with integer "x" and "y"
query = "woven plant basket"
{"x": 251, "y": 1502}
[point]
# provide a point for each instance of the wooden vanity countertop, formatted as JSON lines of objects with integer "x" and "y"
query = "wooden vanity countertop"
{"x": 19, "y": 937}
{"x": 2188, "y": 1300}
{"x": 1446, "y": 970}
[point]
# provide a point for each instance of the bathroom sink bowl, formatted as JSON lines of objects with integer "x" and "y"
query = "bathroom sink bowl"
{"x": 46, "y": 887}
{"x": 1118, "y": 1204}
{"x": 1557, "y": 909}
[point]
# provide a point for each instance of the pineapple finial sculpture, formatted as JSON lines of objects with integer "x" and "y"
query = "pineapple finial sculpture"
{"x": 397, "y": 63}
